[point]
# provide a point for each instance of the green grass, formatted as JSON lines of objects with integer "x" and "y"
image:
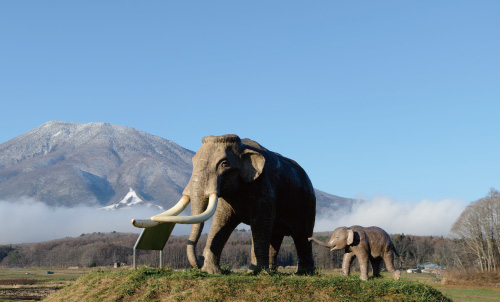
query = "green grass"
{"x": 470, "y": 294}
{"x": 147, "y": 284}
{"x": 40, "y": 274}
{"x": 458, "y": 293}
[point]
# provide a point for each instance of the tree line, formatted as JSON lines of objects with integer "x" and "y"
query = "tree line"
{"x": 103, "y": 249}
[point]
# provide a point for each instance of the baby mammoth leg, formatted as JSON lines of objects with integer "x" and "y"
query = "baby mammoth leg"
{"x": 376, "y": 266}
{"x": 388, "y": 259}
{"x": 346, "y": 263}
{"x": 363, "y": 267}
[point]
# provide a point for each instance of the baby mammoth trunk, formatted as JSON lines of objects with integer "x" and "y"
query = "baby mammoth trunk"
{"x": 319, "y": 242}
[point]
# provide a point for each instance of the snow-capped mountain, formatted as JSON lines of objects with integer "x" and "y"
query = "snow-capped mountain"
{"x": 65, "y": 164}
{"x": 130, "y": 200}
{"x": 69, "y": 164}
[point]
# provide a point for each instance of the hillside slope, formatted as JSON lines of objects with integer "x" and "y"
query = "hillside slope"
{"x": 64, "y": 164}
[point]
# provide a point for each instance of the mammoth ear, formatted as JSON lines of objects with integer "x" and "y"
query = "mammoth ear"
{"x": 252, "y": 165}
{"x": 350, "y": 236}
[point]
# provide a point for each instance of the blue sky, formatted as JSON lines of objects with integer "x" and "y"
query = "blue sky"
{"x": 372, "y": 98}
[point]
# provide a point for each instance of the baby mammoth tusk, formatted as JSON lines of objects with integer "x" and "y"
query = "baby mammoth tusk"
{"x": 175, "y": 210}
{"x": 209, "y": 212}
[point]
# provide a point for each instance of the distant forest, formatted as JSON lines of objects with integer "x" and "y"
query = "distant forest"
{"x": 104, "y": 249}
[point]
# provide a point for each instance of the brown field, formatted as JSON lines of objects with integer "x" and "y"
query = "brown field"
{"x": 34, "y": 284}
{"x": 467, "y": 291}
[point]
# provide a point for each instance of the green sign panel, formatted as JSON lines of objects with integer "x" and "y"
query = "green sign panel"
{"x": 154, "y": 238}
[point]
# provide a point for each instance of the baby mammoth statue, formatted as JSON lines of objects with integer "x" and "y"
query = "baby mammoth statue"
{"x": 367, "y": 244}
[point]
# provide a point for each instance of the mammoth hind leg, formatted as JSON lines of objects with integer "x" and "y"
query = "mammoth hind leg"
{"x": 274, "y": 248}
{"x": 389, "y": 264}
{"x": 305, "y": 259}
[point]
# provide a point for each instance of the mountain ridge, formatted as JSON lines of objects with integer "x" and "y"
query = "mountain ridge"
{"x": 97, "y": 164}
{"x": 98, "y": 161}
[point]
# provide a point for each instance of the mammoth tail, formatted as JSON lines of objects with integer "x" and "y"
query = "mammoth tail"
{"x": 395, "y": 251}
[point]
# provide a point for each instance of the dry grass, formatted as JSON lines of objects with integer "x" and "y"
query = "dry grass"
{"x": 465, "y": 277}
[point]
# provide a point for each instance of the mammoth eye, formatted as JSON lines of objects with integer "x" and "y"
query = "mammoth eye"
{"x": 224, "y": 164}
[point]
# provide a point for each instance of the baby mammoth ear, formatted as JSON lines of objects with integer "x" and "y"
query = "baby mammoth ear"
{"x": 350, "y": 236}
{"x": 252, "y": 165}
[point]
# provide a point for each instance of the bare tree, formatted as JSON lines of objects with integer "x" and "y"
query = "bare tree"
{"x": 478, "y": 227}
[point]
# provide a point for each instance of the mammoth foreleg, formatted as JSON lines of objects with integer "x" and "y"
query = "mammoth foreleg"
{"x": 223, "y": 226}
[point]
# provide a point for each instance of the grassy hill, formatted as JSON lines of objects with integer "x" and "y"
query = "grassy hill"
{"x": 148, "y": 284}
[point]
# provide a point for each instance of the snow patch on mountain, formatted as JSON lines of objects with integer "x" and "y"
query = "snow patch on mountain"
{"x": 130, "y": 200}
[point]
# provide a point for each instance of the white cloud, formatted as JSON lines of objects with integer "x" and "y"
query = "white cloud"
{"x": 28, "y": 220}
{"x": 413, "y": 218}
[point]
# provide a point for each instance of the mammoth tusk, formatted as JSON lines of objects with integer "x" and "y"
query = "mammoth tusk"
{"x": 209, "y": 212}
{"x": 175, "y": 210}
{"x": 144, "y": 223}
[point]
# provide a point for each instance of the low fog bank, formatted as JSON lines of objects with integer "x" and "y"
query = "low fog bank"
{"x": 28, "y": 220}
{"x": 425, "y": 218}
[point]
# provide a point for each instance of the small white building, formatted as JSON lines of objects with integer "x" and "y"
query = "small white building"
{"x": 413, "y": 271}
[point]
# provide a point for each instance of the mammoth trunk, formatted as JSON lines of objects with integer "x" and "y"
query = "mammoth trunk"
{"x": 194, "y": 236}
{"x": 198, "y": 206}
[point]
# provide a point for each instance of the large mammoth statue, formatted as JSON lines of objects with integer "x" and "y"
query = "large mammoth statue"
{"x": 371, "y": 244}
{"x": 239, "y": 181}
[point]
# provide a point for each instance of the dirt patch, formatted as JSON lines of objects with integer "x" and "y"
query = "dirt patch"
{"x": 18, "y": 282}
{"x": 27, "y": 289}
{"x": 26, "y": 293}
